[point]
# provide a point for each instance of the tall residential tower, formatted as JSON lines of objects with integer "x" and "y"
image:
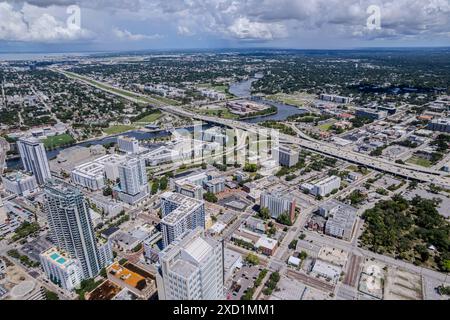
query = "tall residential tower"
{"x": 34, "y": 158}
{"x": 71, "y": 227}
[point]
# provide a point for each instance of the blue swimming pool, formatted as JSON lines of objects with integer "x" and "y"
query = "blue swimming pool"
{"x": 54, "y": 256}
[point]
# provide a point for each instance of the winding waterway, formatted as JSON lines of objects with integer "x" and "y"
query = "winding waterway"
{"x": 243, "y": 90}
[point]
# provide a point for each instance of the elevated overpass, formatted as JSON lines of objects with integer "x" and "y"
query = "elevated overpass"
{"x": 405, "y": 171}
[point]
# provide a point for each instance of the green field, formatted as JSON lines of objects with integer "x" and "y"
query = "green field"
{"x": 59, "y": 140}
{"x": 326, "y": 126}
{"x": 150, "y": 118}
{"x": 222, "y": 88}
{"x": 420, "y": 161}
{"x": 290, "y": 99}
{"x": 118, "y": 129}
{"x": 223, "y": 113}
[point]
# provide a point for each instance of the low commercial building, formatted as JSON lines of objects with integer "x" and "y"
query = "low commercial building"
{"x": 61, "y": 269}
{"x": 108, "y": 206}
{"x": 373, "y": 114}
{"x": 133, "y": 278}
{"x": 294, "y": 261}
{"x": 189, "y": 189}
{"x": 441, "y": 125}
{"x": 327, "y": 270}
{"x": 20, "y": 183}
{"x": 266, "y": 245}
{"x": 326, "y": 186}
{"x": 215, "y": 186}
{"x": 241, "y": 176}
{"x": 232, "y": 262}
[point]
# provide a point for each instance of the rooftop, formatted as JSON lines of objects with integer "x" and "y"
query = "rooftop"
{"x": 185, "y": 205}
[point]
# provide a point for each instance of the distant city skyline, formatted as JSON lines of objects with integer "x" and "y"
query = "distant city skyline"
{"x": 70, "y": 25}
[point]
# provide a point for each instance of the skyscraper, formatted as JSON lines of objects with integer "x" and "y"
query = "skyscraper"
{"x": 133, "y": 180}
{"x": 191, "y": 268}
{"x": 71, "y": 226}
{"x": 34, "y": 158}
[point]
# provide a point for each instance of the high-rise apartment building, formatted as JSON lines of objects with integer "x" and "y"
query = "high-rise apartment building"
{"x": 179, "y": 214}
{"x": 34, "y": 158}
{"x": 71, "y": 227}
{"x": 133, "y": 180}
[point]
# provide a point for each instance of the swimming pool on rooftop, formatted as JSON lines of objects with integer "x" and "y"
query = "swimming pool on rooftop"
{"x": 57, "y": 258}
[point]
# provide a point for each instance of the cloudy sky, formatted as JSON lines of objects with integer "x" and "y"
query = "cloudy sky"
{"x": 58, "y": 25}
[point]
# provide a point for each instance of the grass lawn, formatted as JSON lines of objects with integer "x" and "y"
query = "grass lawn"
{"x": 59, "y": 140}
{"x": 287, "y": 99}
{"x": 420, "y": 161}
{"x": 118, "y": 129}
{"x": 150, "y": 118}
{"x": 326, "y": 126}
{"x": 225, "y": 114}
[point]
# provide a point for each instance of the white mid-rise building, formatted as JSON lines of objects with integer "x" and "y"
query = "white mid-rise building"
{"x": 190, "y": 190}
{"x": 92, "y": 175}
{"x": 34, "y": 158}
{"x": 278, "y": 203}
{"x": 287, "y": 156}
{"x": 215, "y": 185}
{"x": 179, "y": 214}
{"x": 89, "y": 175}
{"x": 61, "y": 269}
{"x": 128, "y": 145}
{"x": 326, "y": 186}
{"x": 191, "y": 268}
{"x": 20, "y": 183}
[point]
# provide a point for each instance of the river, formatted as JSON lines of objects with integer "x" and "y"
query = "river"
{"x": 138, "y": 134}
{"x": 243, "y": 90}
{"x": 239, "y": 89}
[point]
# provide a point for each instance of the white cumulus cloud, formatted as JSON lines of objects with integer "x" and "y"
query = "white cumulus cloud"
{"x": 243, "y": 28}
{"x": 127, "y": 35}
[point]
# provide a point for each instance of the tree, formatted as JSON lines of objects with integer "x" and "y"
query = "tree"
{"x": 284, "y": 219}
{"x": 264, "y": 213}
{"x": 302, "y": 255}
{"x": 107, "y": 191}
{"x": 250, "y": 167}
{"x": 252, "y": 259}
{"x": 50, "y": 295}
{"x": 163, "y": 183}
{"x": 293, "y": 244}
{"x": 155, "y": 186}
{"x": 210, "y": 197}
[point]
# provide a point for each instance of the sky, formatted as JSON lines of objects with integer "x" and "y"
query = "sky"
{"x": 123, "y": 25}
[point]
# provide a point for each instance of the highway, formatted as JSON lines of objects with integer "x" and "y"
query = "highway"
{"x": 403, "y": 170}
